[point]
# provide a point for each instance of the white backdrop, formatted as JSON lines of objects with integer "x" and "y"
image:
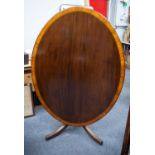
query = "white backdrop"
{"x": 36, "y": 14}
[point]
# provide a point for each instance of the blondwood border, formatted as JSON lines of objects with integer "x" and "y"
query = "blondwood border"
{"x": 121, "y": 55}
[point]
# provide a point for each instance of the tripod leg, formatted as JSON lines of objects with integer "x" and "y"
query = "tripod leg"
{"x": 92, "y": 135}
{"x": 56, "y": 132}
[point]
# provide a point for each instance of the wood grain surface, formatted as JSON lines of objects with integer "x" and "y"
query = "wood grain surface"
{"x": 78, "y": 66}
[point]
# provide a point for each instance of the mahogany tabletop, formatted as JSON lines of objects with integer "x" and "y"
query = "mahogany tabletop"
{"x": 78, "y": 66}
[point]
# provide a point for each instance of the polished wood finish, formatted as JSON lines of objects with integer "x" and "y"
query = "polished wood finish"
{"x": 63, "y": 127}
{"x": 56, "y": 132}
{"x": 78, "y": 66}
{"x": 93, "y": 135}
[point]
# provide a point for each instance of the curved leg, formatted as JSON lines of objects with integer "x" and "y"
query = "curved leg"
{"x": 56, "y": 132}
{"x": 92, "y": 135}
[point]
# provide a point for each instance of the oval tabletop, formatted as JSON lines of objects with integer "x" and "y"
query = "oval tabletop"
{"x": 78, "y": 66}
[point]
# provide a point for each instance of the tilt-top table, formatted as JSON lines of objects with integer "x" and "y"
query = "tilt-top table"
{"x": 78, "y": 68}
